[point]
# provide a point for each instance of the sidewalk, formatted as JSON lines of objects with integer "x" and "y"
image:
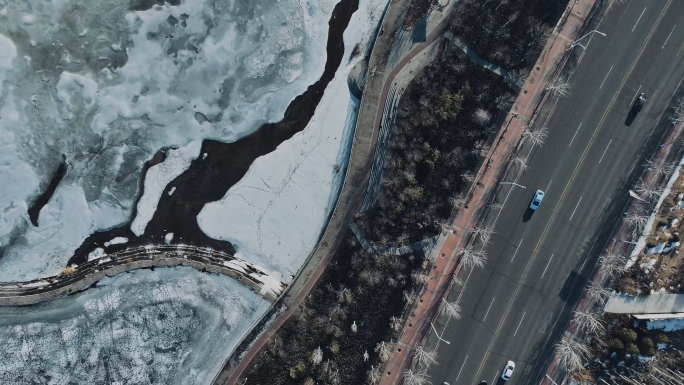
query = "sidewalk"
{"x": 523, "y": 112}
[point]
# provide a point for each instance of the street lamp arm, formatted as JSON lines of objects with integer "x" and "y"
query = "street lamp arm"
{"x": 576, "y": 42}
{"x": 437, "y": 334}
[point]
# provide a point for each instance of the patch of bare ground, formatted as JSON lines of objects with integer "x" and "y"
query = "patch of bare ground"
{"x": 417, "y": 10}
{"x": 625, "y": 351}
{"x": 659, "y": 265}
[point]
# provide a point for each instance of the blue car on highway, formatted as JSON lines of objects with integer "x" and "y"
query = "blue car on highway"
{"x": 536, "y": 201}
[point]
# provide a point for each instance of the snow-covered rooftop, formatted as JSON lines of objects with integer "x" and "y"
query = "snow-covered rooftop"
{"x": 654, "y": 303}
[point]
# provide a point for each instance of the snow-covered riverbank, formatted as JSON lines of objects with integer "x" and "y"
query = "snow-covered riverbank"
{"x": 170, "y": 326}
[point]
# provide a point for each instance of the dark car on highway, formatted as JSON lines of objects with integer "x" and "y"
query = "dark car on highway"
{"x": 639, "y": 102}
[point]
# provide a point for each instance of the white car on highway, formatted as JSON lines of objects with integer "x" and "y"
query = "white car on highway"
{"x": 508, "y": 371}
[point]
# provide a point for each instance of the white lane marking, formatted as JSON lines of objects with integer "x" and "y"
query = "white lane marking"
{"x": 668, "y": 36}
{"x": 635, "y": 95}
{"x": 516, "y": 250}
{"x": 573, "y": 137}
{"x": 459, "y": 372}
{"x": 604, "y": 151}
{"x": 604, "y": 79}
{"x": 547, "y": 265}
{"x": 582, "y": 267}
{"x": 490, "y": 306}
{"x": 548, "y": 187}
{"x": 521, "y": 320}
{"x": 637, "y": 22}
{"x": 573, "y": 211}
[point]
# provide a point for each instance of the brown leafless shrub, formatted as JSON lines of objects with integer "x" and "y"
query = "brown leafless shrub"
{"x": 535, "y": 137}
{"x": 590, "y": 321}
{"x": 560, "y": 87}
{"x": 412, "y": 377}
{"x": 571, "y": 353}
{"x": 473, "y": 258}
{"x": 482, "y": 116}
{"x": 451, "y": 309}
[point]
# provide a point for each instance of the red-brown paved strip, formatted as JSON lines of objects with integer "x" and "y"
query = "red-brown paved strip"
{"x": 522, "y": 113}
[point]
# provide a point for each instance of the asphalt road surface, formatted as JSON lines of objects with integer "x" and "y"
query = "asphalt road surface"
{"x": 517, "y": 306}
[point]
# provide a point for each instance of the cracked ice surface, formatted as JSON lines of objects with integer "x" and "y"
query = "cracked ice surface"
{"x": 275, "y": 214}
{"x": 168, "y": 326}
{"x": 108, "y": 87}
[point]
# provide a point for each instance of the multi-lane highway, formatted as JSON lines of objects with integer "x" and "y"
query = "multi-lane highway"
{"x": 516, "y": 306}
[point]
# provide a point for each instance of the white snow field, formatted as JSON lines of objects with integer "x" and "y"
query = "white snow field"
{"x": 168, "y": 326}
{"x": 108, "y": 87}
{"x": 275, "y": 214}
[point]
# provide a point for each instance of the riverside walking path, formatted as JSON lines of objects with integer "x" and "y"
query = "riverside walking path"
{"x": 370, "y": 116}
{"x": 522, "y": 114}
{"x": 141, "y": 257}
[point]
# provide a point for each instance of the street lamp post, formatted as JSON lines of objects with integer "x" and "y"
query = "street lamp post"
{"x": 577, "y": 42}
{"x": 513, "y": 183}
{"x": 620, "y": 240}
{"x": 437, "y": 334}
{"x": 551, "y": 379}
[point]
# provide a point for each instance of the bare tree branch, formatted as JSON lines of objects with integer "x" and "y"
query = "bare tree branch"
{"x": 520, "y": 161}
{"x": 598, "y": 292}
{"x": 648, "y": 191}
{"x": 611, "y": 3}
{"x": 483, "y": 233}
{"x": 425, "y": 358}
{"x": 517, "y": 77}
{"x": 384, "y": 350}
{"x": 482, "y": 116}
{"x": 416, "y": 377}
{"x": 559, "y": 86}
{"x": 661, "y": 168}
{"x": 636, "y": 222}
{"x": 317, "y": 356}
{"x": 451, "y": 309}
{"x": 374, "y": 376}
{"x": 419, "y": 277}
{"x": 395, "y": 323}
{"x": 678, "y": 113}
{"x": 571, "y": 353}
{"x": 612, "y": 265}
{"x": 536, "y": 137}
{"x": 503, "y": 102}
{"x": 591, "y": 321}
{"x": 473, "y": 258}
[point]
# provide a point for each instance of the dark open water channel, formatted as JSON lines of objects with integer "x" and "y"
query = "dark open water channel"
{"x": 209, "y": 178}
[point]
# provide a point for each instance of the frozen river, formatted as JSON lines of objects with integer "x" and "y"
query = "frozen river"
{"x": 168, "y": 326}
{"x": 150, "y": 117}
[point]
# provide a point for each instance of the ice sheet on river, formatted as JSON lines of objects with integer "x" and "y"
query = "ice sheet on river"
{"x": 108, "y": 87}
{"x": 275, "y": 214}
{"x": 168, "y": 326}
